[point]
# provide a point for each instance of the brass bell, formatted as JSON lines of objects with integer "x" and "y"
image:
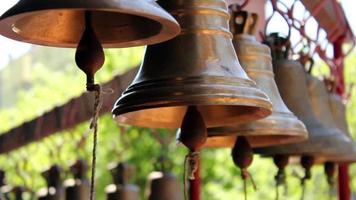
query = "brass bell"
{"x": 164, "y": 184}
{"x": 119, "y": 23}
{"x": 292, "y": 84}
{"x": 197, "y": 68}
{"x": 338, "y": 110}
{"x": 121, "y": 189}
{"x": 321, "y": 107}
{"x": 80, "y": 186}
{"x": 282, "y": 126}
{"x": 55, "y": 189}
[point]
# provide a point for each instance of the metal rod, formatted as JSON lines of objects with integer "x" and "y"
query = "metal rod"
{"x": 195, "y": 185}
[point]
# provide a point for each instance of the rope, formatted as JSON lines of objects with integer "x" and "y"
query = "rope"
{"x": 94, "y": 126}
{"x": 277, "y": 191}
{"x": 246, "y": 175}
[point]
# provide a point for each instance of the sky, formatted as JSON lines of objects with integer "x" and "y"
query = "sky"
{"x": 12, "y": 49}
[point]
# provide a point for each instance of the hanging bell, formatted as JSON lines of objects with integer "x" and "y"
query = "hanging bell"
{"x": 4, "y": 188}
{"x": 55, "y": 189}
{"x": 80, "y": 186}
{"x": 119, "y": 23}
{"x": 282, "y": 126}
{"x": 338, "y": 110}
{"x": 164, "y": 184}
{"x": 197, "y": 68}
{"x": 321, "y": 107}
{"x": 292, "y": 84}
{"x": 18, "y": 192}
{"x": 122, "y": 189}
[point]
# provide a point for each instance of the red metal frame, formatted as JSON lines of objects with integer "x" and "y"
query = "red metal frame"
{"x": 344, "y": 178}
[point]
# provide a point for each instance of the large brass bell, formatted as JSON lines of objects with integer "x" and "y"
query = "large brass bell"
{"x": 121, "y": 189}
{"x": 61, "y": 23}
{"x": 321, "y": 107}
{"x": 164, "y": 184}
{"x": 197, "y": 68}
{"x": 280, "y": 127}
{"x": 55, "y": 189}
{"x": 338, "y": 110}
{"x": 80, "y": 187}
{"x": 292, "y": 84}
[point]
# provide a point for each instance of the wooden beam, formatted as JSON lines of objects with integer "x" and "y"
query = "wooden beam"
{"x": 67, "y": 116}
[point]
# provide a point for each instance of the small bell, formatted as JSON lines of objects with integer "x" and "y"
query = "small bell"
{"x": 120, "y": 23}
{"x": 55, "y": 189}
{"x": 18, "y": 192}
{"x": 197, "y": 68}
{"x": 121, "y": 189}
{"x": 79, "y": 189}
{"x": 4, "y": 188}
{"x": 164, "y": 184}
{"x": 279, "y": 128}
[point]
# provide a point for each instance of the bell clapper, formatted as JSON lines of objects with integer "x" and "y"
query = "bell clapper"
{"x": 307, "y": 163}
{"x": 281, "y": 161}
{"x": 242, "y": 155}
{"x": 90, "y": 58}
{"x": 330, "y": 169}
{"x": 193, "y": 134}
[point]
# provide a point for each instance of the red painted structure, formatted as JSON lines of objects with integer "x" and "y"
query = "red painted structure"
{"x": 344, "y": 178}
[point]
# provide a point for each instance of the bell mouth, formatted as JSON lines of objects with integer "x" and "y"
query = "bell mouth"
{"x": 276, "y": 129}
{"x": 163, "y": 104}
{"x": 323, "y": 142}
{"x": 124, "y": 26}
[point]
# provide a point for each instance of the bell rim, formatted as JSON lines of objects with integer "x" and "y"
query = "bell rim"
{"x": 257, "y": 140}
{"x": 170, "y": 28}
{"x": 312, "y": 146}
{"x": 118, "y": 116}
{"x": 288, "y": 122}
{"x": 208, "y": 91}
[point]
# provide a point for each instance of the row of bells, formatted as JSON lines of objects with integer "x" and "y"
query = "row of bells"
{"x": 191, "y": 67}
{"x": 162, "y": 185}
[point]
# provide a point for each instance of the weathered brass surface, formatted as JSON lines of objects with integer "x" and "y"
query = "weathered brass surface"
{"x": 60, "y": 23}
{"x": 121, "y": 189}
{"x": 199, "y": 67}
{"x": 292, "y": 83}
{"x": 321, "y": 107}
{"x": 165, "y": 186}
{"x": 279, "y": 128}
{"x": 338, "y": 110}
